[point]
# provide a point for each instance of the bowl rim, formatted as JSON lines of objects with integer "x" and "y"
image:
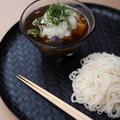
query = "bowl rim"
{"x": 76, "y": 43}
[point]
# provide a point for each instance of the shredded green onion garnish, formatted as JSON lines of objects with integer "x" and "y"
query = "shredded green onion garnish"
{"x": 34, "y": 31}
{"x": 57, "y": 14}
{"x": 37, "y": 22}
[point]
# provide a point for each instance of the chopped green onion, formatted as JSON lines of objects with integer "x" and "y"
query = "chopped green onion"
{"x": 37, "y": 22}
{"x": 34, "y": 31}
{"x": 57, "y": 14}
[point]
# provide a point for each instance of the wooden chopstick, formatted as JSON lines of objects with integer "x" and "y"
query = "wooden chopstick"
{"x": 55, "y": 100}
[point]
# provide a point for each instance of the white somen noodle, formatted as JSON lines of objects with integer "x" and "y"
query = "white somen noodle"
{"x": 97, "y": 84}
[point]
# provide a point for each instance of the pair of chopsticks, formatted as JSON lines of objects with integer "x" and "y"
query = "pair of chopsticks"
{"x": 56, "y": 101}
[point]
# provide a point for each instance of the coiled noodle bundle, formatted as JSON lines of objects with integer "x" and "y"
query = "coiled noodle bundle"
{"x": 97, "y": 84}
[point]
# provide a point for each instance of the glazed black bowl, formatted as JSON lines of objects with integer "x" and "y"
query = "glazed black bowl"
{"x": 60, "y": 50}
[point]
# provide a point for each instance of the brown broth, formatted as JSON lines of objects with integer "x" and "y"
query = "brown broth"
{"x": 77, "y": 34}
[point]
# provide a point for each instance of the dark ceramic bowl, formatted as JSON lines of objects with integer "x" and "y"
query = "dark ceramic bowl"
{"x": 62, "y": 50}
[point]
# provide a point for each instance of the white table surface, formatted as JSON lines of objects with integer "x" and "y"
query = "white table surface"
{"x": 10, "y": 11}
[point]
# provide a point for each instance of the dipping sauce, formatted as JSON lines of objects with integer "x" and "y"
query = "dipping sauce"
{"x": 56, "y": 25}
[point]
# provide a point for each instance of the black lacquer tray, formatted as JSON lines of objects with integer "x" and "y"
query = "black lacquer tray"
{"x": 19, "y": 56}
